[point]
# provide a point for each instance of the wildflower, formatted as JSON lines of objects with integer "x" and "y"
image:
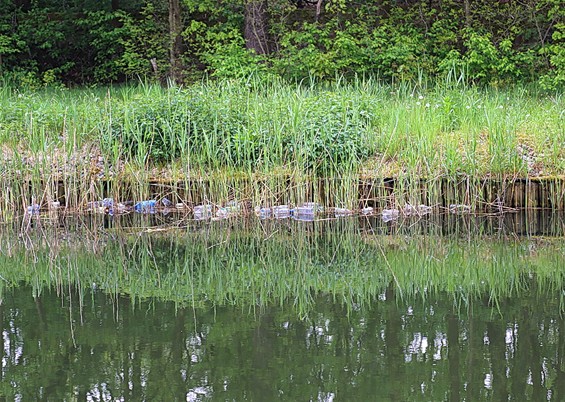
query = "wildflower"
{"x": 418, "y": 103}
{"x": 467, "y": 107}
{"x": 420, "y": 97}
{"x": 427, "y": 105}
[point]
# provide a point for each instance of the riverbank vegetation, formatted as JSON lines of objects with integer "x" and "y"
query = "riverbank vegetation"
{"x": 114, "y": 141}
{"x": 251, "y": 100}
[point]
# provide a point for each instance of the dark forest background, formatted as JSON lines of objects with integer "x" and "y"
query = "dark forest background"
{"x": 72, "y": 42}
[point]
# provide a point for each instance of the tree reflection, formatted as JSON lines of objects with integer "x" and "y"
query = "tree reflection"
{"x": 395, "y": 350}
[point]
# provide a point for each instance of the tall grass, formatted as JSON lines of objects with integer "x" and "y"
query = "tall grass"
{"x": 114, "y": 141}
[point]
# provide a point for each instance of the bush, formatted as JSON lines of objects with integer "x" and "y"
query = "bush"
{"x": 333, "y": 136}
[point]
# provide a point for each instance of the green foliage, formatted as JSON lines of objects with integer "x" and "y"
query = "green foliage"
{"x": 487, "y": 63}
{"x": 333, "y": 134}
{"x": 89, "y": 42}
{"x": 555, "y": 77}
{"x": 232, "y": 60}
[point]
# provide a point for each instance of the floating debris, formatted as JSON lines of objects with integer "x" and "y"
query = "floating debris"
{"x": 314, "y": 205}
{"x": 55, "y": 205}
{"x": 263, "y": 213}
{"x": 166, "y": 202}
{"x": 108, "y": 202}
{"x": 367, "y": 211}
{"x": 411, "y": 210}
{"x": 306, "y": 210}
{"x": 222, "y": 213}
{"x": 96, "y": 206}
{"x": 424, "y": 209}
{"x": 102, "y": 207}
{"x": 121, "y": 208}
{"x": 341, "y": 212}
{"x": 281, "y": 211}
{"x": 180, "y": 205}
{"x": 232, "y": 208}
{"x": 390, "y": 214}
{"x": 302, "y": 211}
{"x": 145, "y": 207}
{"x": 202, "y": 212}
{"x": 459, "y": 209}
{"x": 33, "y": 209}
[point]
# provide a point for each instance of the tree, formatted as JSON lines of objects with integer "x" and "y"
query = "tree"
{"x": 256, "y": 26}
{"x": 175, "y": 41}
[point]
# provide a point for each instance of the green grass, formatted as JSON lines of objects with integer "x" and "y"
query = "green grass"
{"x": 260, "y": 130}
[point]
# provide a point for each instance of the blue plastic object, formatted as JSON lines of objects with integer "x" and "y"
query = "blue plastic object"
{"x": 145, "y": 207}
{"x": 33, "y": 209}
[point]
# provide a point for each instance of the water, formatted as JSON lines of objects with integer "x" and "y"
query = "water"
{"x": 458, "y": 308}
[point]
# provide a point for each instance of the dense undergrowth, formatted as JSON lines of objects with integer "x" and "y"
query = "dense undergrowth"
{"x": 259, "y": 128}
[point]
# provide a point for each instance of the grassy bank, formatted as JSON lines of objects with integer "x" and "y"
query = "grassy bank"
{"x": 273, "y": 133}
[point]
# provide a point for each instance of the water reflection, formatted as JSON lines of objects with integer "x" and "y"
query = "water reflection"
{"x": 136, "y": 308}
{"x": 110, "y": 349}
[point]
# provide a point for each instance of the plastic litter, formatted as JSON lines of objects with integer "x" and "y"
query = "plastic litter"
{"x": 263, "y": 213}
{"x": 459, "y": 209}
{"x": 145, "y": 207}
{"x": 33, "y": 209}
{"x": 222, "y": 213}
{"x": 409, "y": 210}
{"x": 390, "y": 214}
{"x": 281, "y": 211}
{"x": 166, "y": 202}
{"x": 202, "y": 212}
{"x": 367, "y": 211}
{"x": 340, "y": 212}
{"x": 419, "y": 210}
{"x": 302, "y": 211}
{"x": 121, "y": 208}
{"x": 424, "y": 209}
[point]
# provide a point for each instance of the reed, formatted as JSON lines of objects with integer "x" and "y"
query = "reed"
{"x": 83, "y": 144}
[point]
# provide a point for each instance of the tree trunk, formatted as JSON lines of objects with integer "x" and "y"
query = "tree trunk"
{"x": 175, "y": 41}
{"x": 318, "y": 10}
{"x": 256, "y": 26}
{"x": 467, "y": 7}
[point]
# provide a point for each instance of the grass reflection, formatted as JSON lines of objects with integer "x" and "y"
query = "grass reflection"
{"x": 264, "y": 263}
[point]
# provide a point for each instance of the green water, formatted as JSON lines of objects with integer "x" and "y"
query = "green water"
{"x": 450, "y": 308}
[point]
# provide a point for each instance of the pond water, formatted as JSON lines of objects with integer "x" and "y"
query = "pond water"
{"x": 159, "y": 308}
